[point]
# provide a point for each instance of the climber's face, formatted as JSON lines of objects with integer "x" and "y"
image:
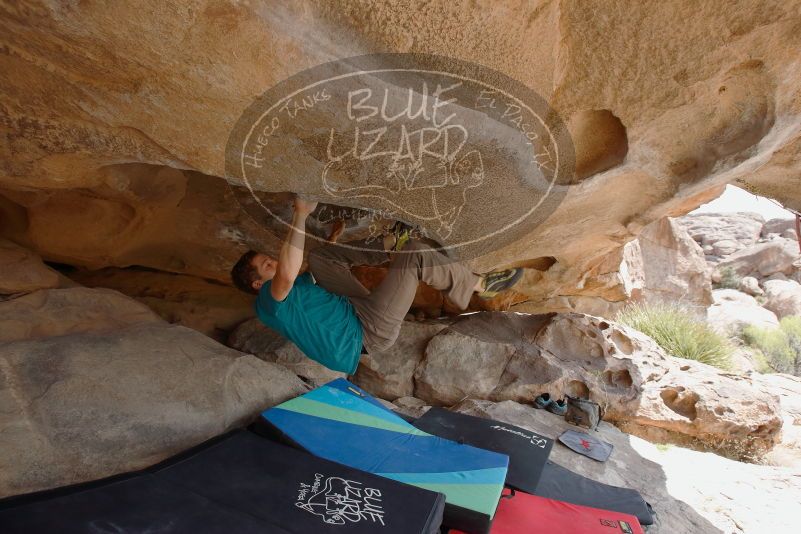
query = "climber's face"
{"x": 265, "y": 265}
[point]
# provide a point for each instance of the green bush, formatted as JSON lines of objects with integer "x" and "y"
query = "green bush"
{"x": 681, "y": 335}
{"x": 780, "y": 346}
{"x": 729, "y": 279}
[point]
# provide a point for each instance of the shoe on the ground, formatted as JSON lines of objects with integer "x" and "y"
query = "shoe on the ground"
{"x": 542, "y": 401}
{"x": 558, "y": 407}
{"x": 498, "y": 281}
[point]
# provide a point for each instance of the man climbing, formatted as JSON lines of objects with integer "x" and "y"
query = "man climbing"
{"x": 332, "y": 317}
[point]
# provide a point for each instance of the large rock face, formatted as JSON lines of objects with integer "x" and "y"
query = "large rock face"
{"x": 209, "y": 307}
{"x": 788, "y": 389}
{"x": 113, "y": 147}
{"x": 778, "y": 256}
{"x": 389, "y": 374}
{"x": 781, "y": 227}
{"x": 664, "y": 264}
{"x": 23, "y": 271}
{"x": 255, "y": 338}
{"x": 93, "y": 383}
{"x": 783, "y": 297}
{"x": 500, "y": 356}
{"x": 59, "y": 312}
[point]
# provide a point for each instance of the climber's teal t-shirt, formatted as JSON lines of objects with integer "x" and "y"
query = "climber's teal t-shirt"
{"x": 323, "y": 325}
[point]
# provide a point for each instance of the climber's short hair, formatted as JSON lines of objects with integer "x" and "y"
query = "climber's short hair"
{"x": 244, "y": 273}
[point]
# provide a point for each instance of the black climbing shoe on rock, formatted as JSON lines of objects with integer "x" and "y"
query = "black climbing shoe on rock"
{"x": 498, "y": 281}
{"x": 559, "y": 407}
{"x": 542, "y": 401}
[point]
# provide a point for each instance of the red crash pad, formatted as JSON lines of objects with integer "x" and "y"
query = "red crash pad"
{"x": 523, "y": 513}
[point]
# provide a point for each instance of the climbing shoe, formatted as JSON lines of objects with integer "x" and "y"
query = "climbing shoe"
{"x": 558, "y": 407}
{"x": 498, "y": 281}
{"x": 403, "y": 233}
{"x": 542, "y": 401}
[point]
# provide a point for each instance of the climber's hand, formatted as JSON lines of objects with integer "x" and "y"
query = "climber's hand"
{"x": 304, "y": 207}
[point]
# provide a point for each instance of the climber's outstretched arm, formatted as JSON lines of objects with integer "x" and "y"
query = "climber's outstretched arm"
{"x": 290, "y": 258}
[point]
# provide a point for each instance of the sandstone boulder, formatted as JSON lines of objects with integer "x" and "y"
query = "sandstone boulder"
{"x": 750, "y": 286}
{"x": 23, "y": 271}
{"x": 80, "y": 310}
{"x": 734, "y": 309}
{"x": 788, "y": 390}
{"x": 670, "y": 268}
{"x": 783, "y": 297}
{"x": 516, "y": 357}
{"x": 763, "y": 259}
{"x": 456, "y": 367}
{"x": 255, "y": 338}
{"x": 783, "y": 227}
{"x": 724, "y": 247}
{"x": 723, "y": 232}
{"x": 390, "y": 374}
{"x": 663, "y": 398}
{"x": 94, "y": 384}
{"x": 209, "y": 307}
{"x": 746, "y": 360}
{"x": 85, "y": 406}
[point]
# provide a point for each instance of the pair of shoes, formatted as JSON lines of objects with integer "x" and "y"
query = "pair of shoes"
{"x": 498, "y": 281}
{"x": 544, "y": 402}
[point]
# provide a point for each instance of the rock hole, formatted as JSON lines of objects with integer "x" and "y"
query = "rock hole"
{"x": 684, "y": 368}
{"x": 622, "y": 342}
{"x": 620, "y": 379}
{"x": 600, "y": 140}
{"x": 684, "y": 405}
{"x": 603, "y": 325}
{"x": 577, "y": 388}
{"x": 763, "y": 430}
{"x": 542, "y": 263}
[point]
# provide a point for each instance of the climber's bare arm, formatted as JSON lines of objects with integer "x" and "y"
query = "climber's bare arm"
{"x": 290, "y": 258}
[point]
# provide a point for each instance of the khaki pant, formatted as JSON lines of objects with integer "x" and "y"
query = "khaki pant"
{"x": 381, "y": 312}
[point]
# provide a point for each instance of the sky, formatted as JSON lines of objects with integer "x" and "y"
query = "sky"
{"x": 735, "y": 199}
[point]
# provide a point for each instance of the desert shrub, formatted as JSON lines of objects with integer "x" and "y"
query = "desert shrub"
{"x": 679, "y": 333}
{"x": 780, "y": 346}
{"x": 729, "y": 279}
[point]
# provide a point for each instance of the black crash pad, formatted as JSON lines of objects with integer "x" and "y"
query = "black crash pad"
{"x": 240, "y": 483}
{"x": 527, "y": 450}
